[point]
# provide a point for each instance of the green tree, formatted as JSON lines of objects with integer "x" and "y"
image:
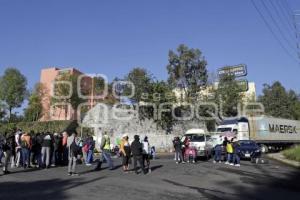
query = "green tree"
{"x": 279, "y": 102}
{"x": 141, "y": 80}
{"x": 13, "y": 89}
{"x": 161, "y": 93}
{"x": 228, "y": 96}
{"x": 187, "y": 70}
{"x": 33, "y": 112}
{"x": 63, "y": 91}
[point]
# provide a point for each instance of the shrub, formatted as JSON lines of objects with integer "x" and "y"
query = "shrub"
{"x": 293, "y": 153}
{"x": 51, "y": 126}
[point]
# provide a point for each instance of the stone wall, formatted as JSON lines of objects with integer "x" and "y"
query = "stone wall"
{"x": 101, "y": 119}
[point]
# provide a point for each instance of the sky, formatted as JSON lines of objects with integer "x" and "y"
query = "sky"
{"x": 111, "y": 37}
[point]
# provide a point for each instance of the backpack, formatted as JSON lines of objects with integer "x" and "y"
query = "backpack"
{"x": 75, "y": 149}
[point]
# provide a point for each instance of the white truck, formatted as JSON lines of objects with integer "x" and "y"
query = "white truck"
{"x": 269, "y": 132}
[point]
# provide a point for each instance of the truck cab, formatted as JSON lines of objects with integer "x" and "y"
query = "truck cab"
{"x": 240, "y": 128}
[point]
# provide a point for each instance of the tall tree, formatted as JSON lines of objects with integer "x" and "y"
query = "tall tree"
{"x": 13, "y": 89}
{"x": 187, "y": 70}
{"x": 279, "y": 102}
{"x": 228, "y": 94}
{"x": 33, "y": 112}
{"x": 141, "y": 80}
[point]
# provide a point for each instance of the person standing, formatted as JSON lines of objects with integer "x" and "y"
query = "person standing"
{"x": 137, "y": 152}
{"x": 26, "y": 148}
{"x": 229, "y": 150}
{"x": 8, "y": 148}
{"x": 178, "y": 152}
{"x": 236, "y": 153}
{"x": 35, "y": 156}
{"x": 56, "y": 153}
{"x": 73, "y": 152}
{"x": 218, "y": 151}
{"x": 146, "y": 153}
{"x": 2, "y": 142}
{"x": 65, "y": 148}
{"x": 106, "y": 150}
{"x": 125, "y": 152}
{"x": 46, "y": 150}
{"x": 90, "y": 151}
{"x": 18, "y": 150}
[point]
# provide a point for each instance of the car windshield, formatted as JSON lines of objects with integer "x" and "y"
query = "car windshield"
{"x": 197, "y": 137}
{"x": 223, "y": 129}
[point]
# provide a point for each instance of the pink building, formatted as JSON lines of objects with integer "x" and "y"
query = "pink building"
{"x": 60, "y": 111}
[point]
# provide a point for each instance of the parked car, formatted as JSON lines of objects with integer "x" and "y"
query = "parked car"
{"x": 200, "y": 140}
{"x": 249, "y": 149}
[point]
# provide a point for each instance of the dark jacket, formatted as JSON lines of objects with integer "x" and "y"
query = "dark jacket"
{"x": 47, "y": 141}
{"x": 177, "y": 145}
{"x": 136, "y": 148}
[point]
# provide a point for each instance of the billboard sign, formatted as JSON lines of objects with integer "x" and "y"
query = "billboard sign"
{"x": 237, "y": 70}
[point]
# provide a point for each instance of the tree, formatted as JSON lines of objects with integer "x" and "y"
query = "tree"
{"x": 280, "y": 103}
{"x": 33, "y": 112}
{"x": 228, "y": 96}
{"x": 63, "y": 90}
{"x": 141, "y": 80}
{"x": 160, "y": 93}
{"x": 187, "y": 70}
{"x": 13, "y": 89}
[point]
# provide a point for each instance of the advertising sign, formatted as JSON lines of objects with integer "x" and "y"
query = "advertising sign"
{"x": 237, "y": 71}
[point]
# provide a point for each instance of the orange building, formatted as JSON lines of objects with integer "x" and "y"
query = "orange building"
{"x": 60, "y": 110}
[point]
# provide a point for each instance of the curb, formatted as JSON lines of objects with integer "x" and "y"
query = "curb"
{"x": 279, "y": 157}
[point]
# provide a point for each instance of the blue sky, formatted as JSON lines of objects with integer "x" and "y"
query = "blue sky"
{"x": 111, "y": 37}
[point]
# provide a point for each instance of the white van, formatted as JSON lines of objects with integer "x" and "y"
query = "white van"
{"x": 200, "y": 140}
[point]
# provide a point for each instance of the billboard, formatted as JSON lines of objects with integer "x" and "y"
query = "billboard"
{"x": 237, "y": 70}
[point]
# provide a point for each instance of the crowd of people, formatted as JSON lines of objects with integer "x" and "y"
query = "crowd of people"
{"x": 225, "y": 150}
{"x": 45, "y": 150}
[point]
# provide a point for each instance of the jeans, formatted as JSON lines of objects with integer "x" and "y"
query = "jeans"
{"x": 35, "y": 157}
{"x": 236, "y": 158}
{"x": 178, "y": 155}
{"x": 89, "y": 158}
{"x": 7, "y": 155}
{"x": 26, "y": 157}
{"x": 46, "y": 156}
{"x": 140, "y": 160}
{"x": 72, "y": 164}
{"x": 56, "y": 157}
{"x": 218, "y": 154}
{"x": 106, "y": 155}
{"x": 229, "y": 157}
{"x": 1, "y": 155}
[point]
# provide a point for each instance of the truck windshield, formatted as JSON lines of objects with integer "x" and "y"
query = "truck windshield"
{"x": 197, "y": 138}
{"x": 224, "y": 130}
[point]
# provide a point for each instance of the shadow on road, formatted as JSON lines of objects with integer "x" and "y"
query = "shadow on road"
{"x": 45, "y": 189}
{"x": 283, "y": 185}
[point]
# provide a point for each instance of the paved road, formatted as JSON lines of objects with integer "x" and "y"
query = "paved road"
{"x": 167, "y": 181}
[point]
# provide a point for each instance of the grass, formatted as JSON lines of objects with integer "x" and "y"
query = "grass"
{"x": 293, "y": 153}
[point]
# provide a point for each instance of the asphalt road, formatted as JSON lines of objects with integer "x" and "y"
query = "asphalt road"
{"x": 168, "y": 181}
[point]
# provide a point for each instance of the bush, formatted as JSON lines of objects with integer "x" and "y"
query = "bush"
{"x": 51, "y": 126}
{"x": 293, "y": 153}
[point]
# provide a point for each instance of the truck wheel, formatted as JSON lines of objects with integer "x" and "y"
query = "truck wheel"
{"x": 264, "y": 148}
